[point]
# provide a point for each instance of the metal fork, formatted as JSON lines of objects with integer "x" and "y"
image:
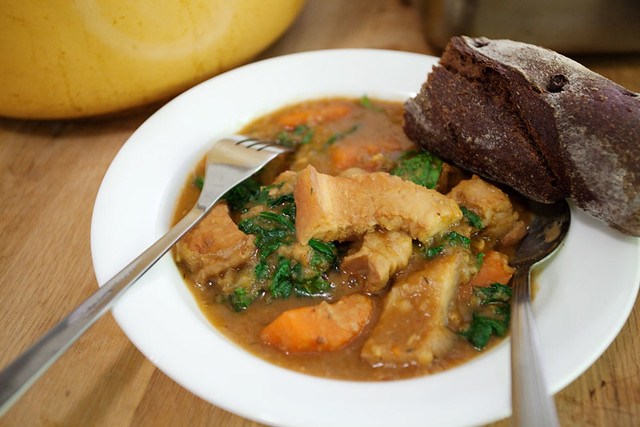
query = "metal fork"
{"x": 230, "y": 161}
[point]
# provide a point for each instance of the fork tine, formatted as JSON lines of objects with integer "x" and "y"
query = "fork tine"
{"x": 259, "y": 145}
{"x": 231, "y": 160}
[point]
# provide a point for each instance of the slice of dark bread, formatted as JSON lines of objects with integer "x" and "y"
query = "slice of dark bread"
{"x": 536, "y": 121}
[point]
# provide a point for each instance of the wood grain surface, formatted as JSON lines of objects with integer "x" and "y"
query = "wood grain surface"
{"x": 50, "y": 172}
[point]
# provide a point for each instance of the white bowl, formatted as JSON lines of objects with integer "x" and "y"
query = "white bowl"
{"x": 585, "y": 293}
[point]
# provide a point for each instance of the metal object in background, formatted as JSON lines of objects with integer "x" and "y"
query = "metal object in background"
{"x": 566, "y": 26}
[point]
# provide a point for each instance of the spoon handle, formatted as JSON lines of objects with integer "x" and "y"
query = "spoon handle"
{"x": 532, "y": 404}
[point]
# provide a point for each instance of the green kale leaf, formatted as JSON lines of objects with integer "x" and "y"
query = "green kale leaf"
{"x": 240, "y": 299}
{"x": 339, "y": 135}
{"x": 430, "y": 252}
{"x": 455, "y": 238}
{"x": 324, "y": 255}
{"x": 452, "y": 238}
{"x": 482, "y": 328}
{"x": 491, "y": 316}
{"x": 472, "y": 218}
{"x": 422, "y": 168}
{"x": 314, "y": 283}
{"x": 280, "y": 276}
{"x": 300, "y": 135}
{"x": 494, "y": 293}
{"x": 281, "y": 285}
{"x": 366, "y": 102}
{"x": 238, "y": 197}
{"x": 198, "y": 182}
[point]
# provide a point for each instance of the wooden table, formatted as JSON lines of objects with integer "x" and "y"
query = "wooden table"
{"x": 50, "y": 173}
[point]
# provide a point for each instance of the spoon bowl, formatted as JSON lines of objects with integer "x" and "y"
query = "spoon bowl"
{"x": 545, "y": 234}
{"x": 532, "y": 405}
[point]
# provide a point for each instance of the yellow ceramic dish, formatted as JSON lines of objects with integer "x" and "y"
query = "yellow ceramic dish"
{"x": 61, "y": 59}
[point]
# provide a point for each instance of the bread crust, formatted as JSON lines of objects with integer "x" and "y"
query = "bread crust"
{"x": 557, "y": 128}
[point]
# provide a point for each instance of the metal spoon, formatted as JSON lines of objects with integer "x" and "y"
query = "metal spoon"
{"x": 531, "y": 402}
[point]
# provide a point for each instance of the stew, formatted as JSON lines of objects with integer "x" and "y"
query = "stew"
{"x": 359, "y": 256}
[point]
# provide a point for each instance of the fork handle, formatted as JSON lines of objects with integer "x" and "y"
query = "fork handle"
{"x": 532, "y": 404}
{"x": 18, "y": 376}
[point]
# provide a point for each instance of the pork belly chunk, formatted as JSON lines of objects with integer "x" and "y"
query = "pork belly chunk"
{"x": 378, "y": 258}
{"x": 214, "y": 245}
{"x": 345, "y": 208}
{"x": 412, "y": 329}
{"x": 501, "y": 222}
{"x": 283, "y": 183}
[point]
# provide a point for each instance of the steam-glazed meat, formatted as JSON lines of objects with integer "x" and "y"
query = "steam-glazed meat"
{"x": 379, "y": 257}
{"x": 340, "y": 208}
{"x": 214, "y": 245}
{"x": 412, "y": 329}
{"x": 501, "y": 222}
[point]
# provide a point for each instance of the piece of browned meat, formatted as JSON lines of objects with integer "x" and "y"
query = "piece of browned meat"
{"x": 378, "y": 258}
{"x": 346, "y": 208}
{"x": 412, "y": 329}
{"x": 214, "y": 246}
{"x": 501, "y": 222}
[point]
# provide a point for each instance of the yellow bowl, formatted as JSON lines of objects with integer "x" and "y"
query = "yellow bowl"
{"x": 63, "y": 59}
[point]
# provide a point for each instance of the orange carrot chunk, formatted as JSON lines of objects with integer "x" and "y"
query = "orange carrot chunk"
{"x": 320, "y": 328}
{"x": 495, "y": 269}
{"x": 320, "y": 114}
{"x": 346, "y": 156}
